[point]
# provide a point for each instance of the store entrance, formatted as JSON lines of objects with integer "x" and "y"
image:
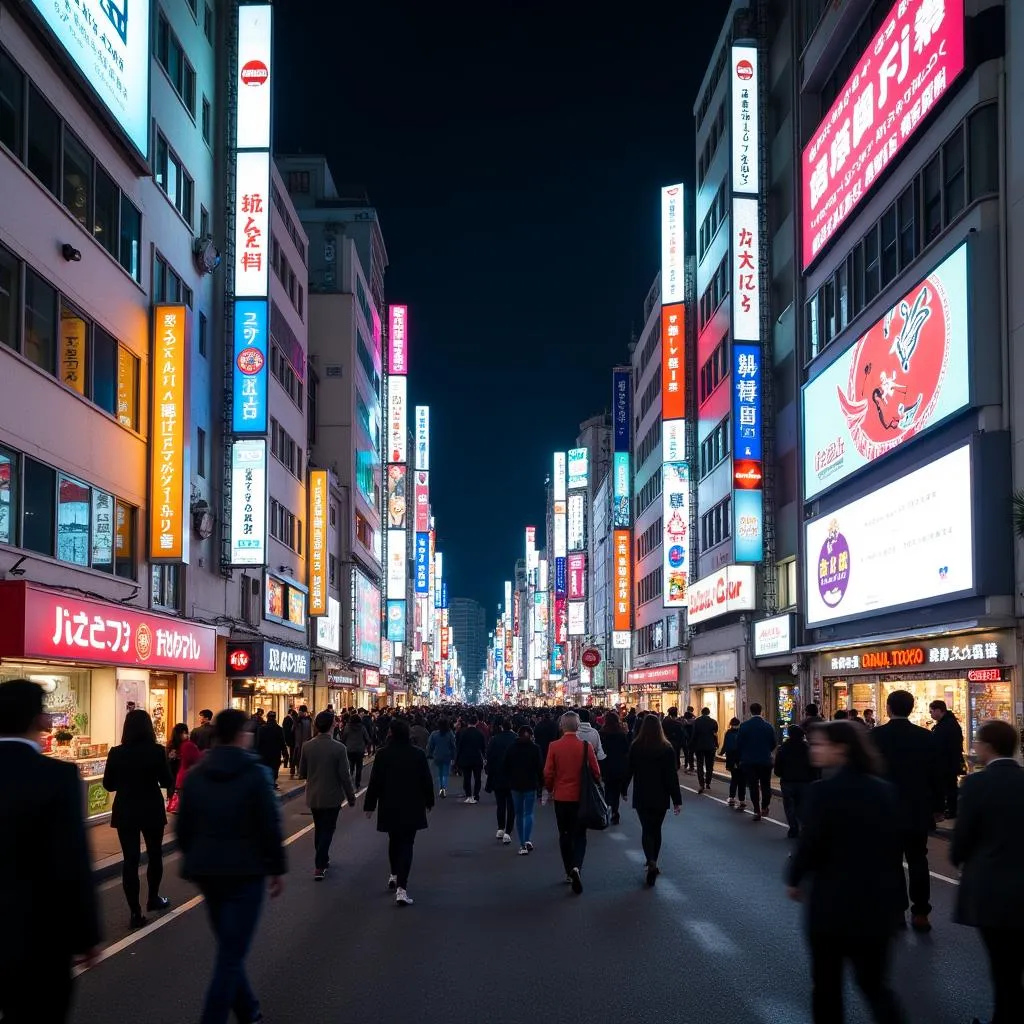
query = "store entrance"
{"x": 163, "y": 705}
{"x": 722, "y": 702}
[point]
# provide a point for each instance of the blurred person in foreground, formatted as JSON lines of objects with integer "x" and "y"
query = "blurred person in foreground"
{"x": 47, "y": 899}
{"x": 987, "y": 841}
{"x": 229, "y": 831}
{"x": 850, "y": 828}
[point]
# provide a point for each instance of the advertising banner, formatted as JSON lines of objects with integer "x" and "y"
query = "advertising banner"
{"x": 561, "y": 620}
{"x": 744, "y": 121}
{"x": 673, "y": 441}
{"x": 675, "y": 498}
{"x": 560, "y": 577}
{"x": 422, "y": 488}
{"x": 559, "y": 476}
{"x": 252, "y": 223}
{"x": 906, "y": 543}
{"x": 731, "y": 589}
{"x": 249, "y": 502}
{"x": 576, "y": 618}
{"x": 673, "y": 249}
{"x": 577, "y": 577}
{"x": 398, "y": 429}
{"x": 673, "y": 362}
{"x": 422, "y": 585}
{"x": 396, "y": 621}
{"x": 423, "y": 437}
{"x": 916, "y": 55}
{"x": 540, "y": 612}
{"x": 561, "y": 532}
{"x": 746, "y": 270}
{"x": 318, "y": 542}
{"x": 773, "y": 636}
{"x": 398, "y": 345}
{"x": 396, "y": 477}
{"x": 250, "y": 370}
{"x": 748, "y": 525}
{"x": 623, "y": 617}
{"x": 365, "y": 617}
{"x": 576, "y": 522}
{"x": 328, "y": 627}
{"x": 906, "y": 374}
{"x": 254, "y": 87}
{"x": 622, "y": 504}
{"x": 746, "y": 376}
{"x": 622, "y": 404}
{"x": 576, "y": 463}
{"x": 396, "y": 575}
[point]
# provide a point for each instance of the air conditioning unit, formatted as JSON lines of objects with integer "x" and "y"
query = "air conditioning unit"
{"x": 252, "y": 609}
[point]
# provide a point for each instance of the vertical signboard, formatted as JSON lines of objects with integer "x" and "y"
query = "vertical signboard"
{"x": 559, "y": 476}
{"x": 623, "y": 617}
{"x": 577, "y": 461}
{"x": 422, "y": 563}
{"x": 252, "y": 223}
{"x": 673, "y": 368}
{"x": 255, "y": 31}
{"x": 622, "y": 406}
{"x": 422, "y": 498}
{"x": 622, "y": 504}
{"x": 398, "y": 429}
{"x": 423, "y": 437}
{"x": 746, "y": 271}
{"x": 673, "y": 254}
{"x": 745, "y": 161}
{"x": 396, "y": 576}
{"x": 748, "y": 497}
{"x": 676, "y": 518}
{"x": 250, "y": 369}
{"x": 249, "y": 501}
{"x": 398, "y": 341}
{"x": 318, "y": 542}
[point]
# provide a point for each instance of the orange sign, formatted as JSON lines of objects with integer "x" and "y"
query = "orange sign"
{"x": 168, "y": 442}
{"x": 318, "y": 542}
{"x": 623, "y": 582}
{"x": 673, "y": 362}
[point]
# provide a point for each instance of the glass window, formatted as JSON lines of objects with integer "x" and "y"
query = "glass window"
{"x": 104, "y": 370}
{"x": 127, "y": 389}
{"x": 813, "y": 328}
{"x": 43, "y": 140}
{"x": 40, "y": 321}
{"x": 124, "y": 555}
{"x": 208, "y": 22}
{"x": 131, "y": 238}
{"x": 201, "y": 452}
{"x": 9, "y": 307}
{"x": 12, "y": 96}
{"x": 908, "y": 224}
{"x": 954, "y": 175}
{"x": 165, "y": 590}
{"x": 73, "y": 501}
{"x": 77, "y": 185}
{"x": 103, "y": 518}
{"x": 207, "y": 120}
{"x": 828, "y": 309}
{"x": 74, "y": 348}
{"x": 105, "y": 223}
{"x": 843, "y": 294}
{"x": 984, "y": 142}
{"x": 189, "y": 88}
{"x": 40, "y": 484}
{"x": 202, "y": 334}
{"x": 932, "y": 200}
{"x": 8, "y": 496}
{"x": 890, "y": 251}
{"x": 160, "y": 162}
{"x": 872, "y": 265}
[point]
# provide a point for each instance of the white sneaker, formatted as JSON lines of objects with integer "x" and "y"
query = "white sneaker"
{"x": 392, "y": 882}
{"x": 506, "y": 838}
{"x": 469, "y": 800}
{"x": 523, "y": 851}
{"x": 403, "y": 899}
{"x": 500, "y": 834}
{"x": 443, "y": 792}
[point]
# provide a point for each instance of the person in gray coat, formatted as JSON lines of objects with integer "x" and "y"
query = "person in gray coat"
{"x": 323, "y": 763}
{"x": 357, "y": 741}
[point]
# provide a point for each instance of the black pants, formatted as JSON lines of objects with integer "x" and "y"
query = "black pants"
{"x": 325, "y": 821}
{"x": 400, "y": 846}
{"x": 792, "y": 797}
{"x": 355, "y": 765}
{"x": 1005, "y": 948}
{"x": 950, "y": 794}
{"x": 678, "y": 748}
{"x": 274, "y": 767}
{"x": 132, "y": 850}
{"x": 471, "y": 781}
{"x": 737, "y": 784}
{"x": 613, "y": 794}
{"x": 705, "y": 767}
{"x": 919, "y": 883}
{"x": 506, "y": 810}
{"x": 293, "y": 760}
{"x": 870, "y": 960}
{"x": 688, "y": 756}
{"x": 39, "y": 992}
{"x": 759, "y": 782}
{"x": 650, "y": 833}
{"x": 572, "y": 838}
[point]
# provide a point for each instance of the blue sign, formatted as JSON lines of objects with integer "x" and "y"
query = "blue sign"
{"x": 249, "y": 387}
{"x": 748, "y": 526}
{"x": 746, "y": 401}
{"x": 444, "y": 594}
{"x": 499, "y": 654}
{"x": 622, "y": 404}
{"x": 396, "y": 621}
{"x": 422, "y": 563}
{"x": 621, "y": 506}
{"x": 557, "y": 662}
{"x": 508, "y": 677}
{"x": 560, "y": 581}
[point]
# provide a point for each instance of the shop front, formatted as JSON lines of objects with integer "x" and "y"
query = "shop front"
{"x": 714, "y": 680}
{"x": 972, "y": 672}
{"x": 341, "y": 686}
{"x": 268, "y": 675}
{"x": 652, "y": 689}
{"x": 773, "y": 653}
{"x": 96, "y": 661}
{"x": 373, "y": 690}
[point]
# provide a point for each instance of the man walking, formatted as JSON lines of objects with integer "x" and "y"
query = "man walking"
{"x": 202, "y": 734}
{"x": 589, "y": 734}
{"x": 949, "y": 753}
{"x": 288, "y": 727}
{"x": 755, "y": 747}
{"x": 686, "y": 727}
{"x": 705, "y": 743}
{"x": 229, "y": 831}
{"x": 323, "y": 763}
{"x": 46, "y": 887}
{"x": 674, "y": 733}
{"x": 302, "y": 732}
{"x": 470, "y": 749}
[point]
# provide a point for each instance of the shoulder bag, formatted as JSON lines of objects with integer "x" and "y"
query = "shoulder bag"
{"x": 594, "y": 811}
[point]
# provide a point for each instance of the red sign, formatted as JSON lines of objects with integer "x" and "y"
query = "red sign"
{"x": 984, "y": 675}
{"x": 239, "y": 660}
{"x": 255, "y": 72}
{"x": 561, "y": 620}
{"x": 577, "y": 564}
{"x": 591, "y": 657}
{"x": 913, "y": 59}
{"x": 658, "y": 674}
{"x": 744, "y": 70}
{"x": 746, "y": 475}
{"x": 39, "y": 623}
{"x": 422, "y": 495}
{"x": 673, "y": 365}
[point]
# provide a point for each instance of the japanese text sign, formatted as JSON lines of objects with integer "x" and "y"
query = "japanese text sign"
{"x": 673, "y": 362}
{"x": 675, "y": 496}
{"x": 745, "y": 126}
{"x": 622, "y": 404}
{"x": 254, "y": 87}
{"x": 422, "y": 437}
{"x": 249, "y": 502}
{"x": 673, "y": 252}
{"x": 746, "y": 271}
{"x": 577, "y": 577}
{"x": 252, "y": 223}
{"x": 422, "y": 563}
{"x": 318, "y": 542}
{"x": 623, "y": 581}
{"x": 746, "y": 383}
{"x": 397, "y": 419}
{"x": 398, "y": 343}
{"x": 249, "y": 373}
{"x": 422, "y": 497}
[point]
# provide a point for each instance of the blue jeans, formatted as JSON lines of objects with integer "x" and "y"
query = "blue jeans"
{"x": 523, "y": 801}
{"x": 443, "y": 768}
{"x": 234, "y": 906}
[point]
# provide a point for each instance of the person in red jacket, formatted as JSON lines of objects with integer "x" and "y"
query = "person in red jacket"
{"x": 562, "y": 775}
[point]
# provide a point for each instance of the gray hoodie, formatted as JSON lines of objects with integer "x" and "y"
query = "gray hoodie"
{"x": 589, "y": 734}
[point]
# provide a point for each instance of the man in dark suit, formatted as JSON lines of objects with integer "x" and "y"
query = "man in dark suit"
{"x": 987, "y": 841}
{"x": 469, "y": 756}
{"x": 911, "y": 766}
{"x": 949, "y": 751}
{"x": 47, "y": 900}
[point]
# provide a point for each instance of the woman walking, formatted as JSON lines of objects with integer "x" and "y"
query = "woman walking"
{"x": 441, "y": 747}
{"x": 655, "y": 777}
{"x": 136, "y": 771}
{"x": 615, "y": 766}
{"x": 185, "y": 755}
{"x": 793, "y": 768}
{"x": 737, "y": 780}
{"x": 524, "y": 773}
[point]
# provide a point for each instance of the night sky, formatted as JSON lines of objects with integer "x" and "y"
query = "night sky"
{"x": 515, "y": 161}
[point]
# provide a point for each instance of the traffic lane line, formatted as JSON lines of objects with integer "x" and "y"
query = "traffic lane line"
{"x": 785, "y": 825}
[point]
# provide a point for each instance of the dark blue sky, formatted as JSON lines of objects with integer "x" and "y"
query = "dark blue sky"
{"x": 515, "y": 158}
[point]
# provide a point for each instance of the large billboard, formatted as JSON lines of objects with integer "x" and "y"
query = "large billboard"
{"x": 577, "y": 466}
{"x": 676, "y": 525}
{"x": 249, "y": 501}
{"x": 673, "y": 251}
{"x": 623, "y": 617}
{"x": 318, "y": 533}
{"x": 398, "y": 429}
{"x": 365, "y": 619}
{"x": 254, "y": 85}
{"x": 673, "y": 363}
{"x": 915, "y": 56}
{"x": 621, "y": 502}
{"x": 398, "y": 341}
{"x": 731, "y": 589}
{"x": 908, "y": 372}
{"x": 907, "y": 543}
{"x": 744, "y": 121}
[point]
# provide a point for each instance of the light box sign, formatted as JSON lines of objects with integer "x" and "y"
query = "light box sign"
{"x": 914, "y": 58}
{"x": 746, "y": 270}
{"x": 252, "y": 224}
{"x": 111, "y": 50}
{"x": 365, "y": 618}
{"x": 673, "y": 364}
{"x": 577, "y": 565}
{"x": 731, "y": 589}
{"x": 746, "y": 377}
{"x": 673, "y": 254}
{"x": 561, "y": 538}
{"x": 561, "y": 620}
{"x": 398, "y": 343}
{"x": 673, "y": 441}
{"x": 422, "y": 563}
{"x": 250, "y": 369}
{"x": 623, "y": 582}
{"x": 422, "y": 496}
{"x": 622, "y": 403}
{"x": 675, "y": 496}
{"x": 576, "y": 464}
{"x": 397, "y": 419}
{"x": 318, "y": 542}
{"x": 576, "y": 618}
{"x": 773, "y": 636}
{"x": 396, "y": 575}
{"x": 745, "y": 124}
{"x": 560, "y": 577}
{"x": 396, "y": 477}
{"x": 559, "y": 474}
{"x": 621, "y": 517}
{"x": 169, "y": 487}
{"x": 396, "y": 621}
{"x": 576, "y": 522}
{"x": 249, "y": 501}
{"x": 422, "y": 437}
{"x": 254, "y": 87}
{"x": 906, "y": 543}
{"x": 906, "y": 374}
{"x": 748, "y": 526}
{"x": 328, "y": 627}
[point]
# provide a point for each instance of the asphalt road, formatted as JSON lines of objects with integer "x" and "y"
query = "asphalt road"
{"x": 496, "y": 938}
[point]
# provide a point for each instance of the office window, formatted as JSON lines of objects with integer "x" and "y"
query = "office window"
{"x": 77, "y": 180}
{"x": 201, "y": 335}
{"x": 40, "y": 486}
{"x": 105, "y": 364}
{"x": 208, "y": 22}
{"x": 107, "y": 199}
{"x": 173, "y": 179}
{"x": 983, "y": 132}
{"x": 907, "y": 204}
{"x": 171, "y": 55}
{"x": 166, "y": 588}
{"x": 12, "y": 104}
{"x": 8, "y": 497}
{"x": 40, "y": 321}
{"x": 332, "y": 568}
{"x": 73, "y": 352}
{"x": 131, "y": 238}
{"x": 10, "y": 306}
{"x": 127, "y": 389}
{"x": 932, "y": 200}
{"x": 193, "y": 6}
{"x": 890, "y": 250}
{"x": 201, "y": 452}
{"x": 954, "y": 176}
{"x": 872, "y": 265}
{"x": 124, "y": 546}
{"x": 43, "y": 140}
{"x": 207, "y": 120}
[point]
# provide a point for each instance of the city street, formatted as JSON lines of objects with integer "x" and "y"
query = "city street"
{"x": 499, "y": 938}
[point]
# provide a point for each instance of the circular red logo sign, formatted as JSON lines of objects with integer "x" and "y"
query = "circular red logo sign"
{"x": 239, "y": 660}
{"x": 255, "y": 72}
{"x": 143, "y": 642}
{"x": 250, "y": 361}
{"x": 591, "y": 657}
{"x": 744, "y": 71}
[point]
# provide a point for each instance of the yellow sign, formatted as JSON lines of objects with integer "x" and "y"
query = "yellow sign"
{"x": 72, "y": 350}
{"x": 127, "y": 389}
{"x": 168, "y": 488}
{"x": 318, "y": 542}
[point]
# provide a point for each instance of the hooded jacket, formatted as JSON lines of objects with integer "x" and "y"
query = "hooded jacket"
{"x": 589, "y": 734}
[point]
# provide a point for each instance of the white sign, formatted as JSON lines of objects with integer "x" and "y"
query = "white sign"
{"x": 253, "y": 87}
{"x": 714, "y": 668}
{"x": 746, "y": 271}
{"x": 397, "y": 565}
{"x": 675, "y": 511}
{"x": 577, "y": 467}
{"x": 559, "y": 481}
{"x": 906, "y": 543}
{"x": 252, "y": 224}
{"x": 398, "y": 428}
{"x": 423, "y": 437}
{"x": 577, "y": 618}
{"x": 773, "y": 636}
{"x": 249, "y": 502}
{"x": 110, "y": 46}
{"x": 577, "y": 534}
{"x": 731, "y": 589}
{"x": 561, "y": 539}
{"x": 328, "y": 627}
{"x": 745, "y": 128}
{"x": 673, "y": 442}
{"x": 673, "y": 255}
{"x": 621, "y": 640}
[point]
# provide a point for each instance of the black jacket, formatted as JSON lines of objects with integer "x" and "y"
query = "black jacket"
{"x": 497, "y": 777}
{"x": 673, "y": 730}
{"x": 793, "y": 762}
{"x": 470, "y": 747}
{"x": 135, "y": 774}
{"x": 401, "y": 788}
{"x": 654, "y": 777}
{"x": 229, "y": 824}
{"x": 615, "y": 766}
{"x": 545, "y": 734}
{"x": 949, "y": 744}
{"x": 987, "y": 843}
{"x": 850, "y": 830}
{"x": 270, "y": 744}
{"x": 202, "y": 736}
{"x": 912, "y": 767}
{"x": 47, "y": 899}
{"x": 705, "y": 734}
{"x": 524, "y": 770}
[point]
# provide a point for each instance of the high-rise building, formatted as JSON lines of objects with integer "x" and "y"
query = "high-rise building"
{"x": 468, "y": 622}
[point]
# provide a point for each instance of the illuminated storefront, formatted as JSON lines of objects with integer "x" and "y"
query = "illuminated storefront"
{"x": 653, "y": 689}
{"x": 269, "y": 676}
{"x": 341, "y": 686}
{"x": 773, "y": 646}
{"x": 714, "y": 679}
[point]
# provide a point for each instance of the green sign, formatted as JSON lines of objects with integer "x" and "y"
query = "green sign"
{"x": 97, "y": 799}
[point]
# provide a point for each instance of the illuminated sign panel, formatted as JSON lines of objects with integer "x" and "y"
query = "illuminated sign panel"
{"x": 773, "y": 636}
{"x": 395, "y": 613}
{"x": 169, "y": 481}
{"x": 328, "y": 627}
{"x": 252, "y": 223}
{"x": 561, "y": 620}
{"x": 577, "y": 565}
{"x": 675, "y": 542}
{"x": 438, "y": 577}
{"x": 422, "y": 437}
{"x": 622, "y": 506}
{"x": 560, "y": 577}
{"x": 561, "y": 539}
{"x": 576, "y": 618}
{"x": 422, "y": 495}
{"x": 914, "y": 58}
{"x": 576, "y": 462}
{"x": 559, "y": 480}
{"x": 396, "y": 576}
{"x": 398, "y": 344}
{"x": 746, "y": 270}
{"x": 398, "y": 428}
{"x": 364, "y": 634}
{"x": 673, "y": 441}
{"x": 972, "y": 648}
{"x": 748, "y": 498}
{"x": 318, "y": 542}
{"x": 422, "y": 563}
{"x": 745, "y": 123}
{"x": 396, "y": 501}
{"x": 253, "y": 88}
{"x": 623, "y": 617}
{"x": 673, "y": 364}
{"x": 250, "y": 370}
{"x": 576, "y": 522}
{"x": 907, "y": 373}
{"x": 731, "y": 589}
{"x": 622, "y": 404}
{"x": 249, "y": 502}
{"x": 907, "y": 542}
{"x": 673, "y": 254}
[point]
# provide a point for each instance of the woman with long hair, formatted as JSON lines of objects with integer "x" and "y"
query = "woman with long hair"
{"x": 652, "y": 768}
{"x": 136, "y": 771}
{"x": 615, "y": 766}
{"x": 441, "y": 749}
{"x": 524, "y": 772}
{"x": 182, "y": 753}
{"x": 850, "y": 829}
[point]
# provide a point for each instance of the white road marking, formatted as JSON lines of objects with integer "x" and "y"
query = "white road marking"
{"x": 637, "y": 856}
{"x": 708, "y": 935}
{"x": 621, "y": 836}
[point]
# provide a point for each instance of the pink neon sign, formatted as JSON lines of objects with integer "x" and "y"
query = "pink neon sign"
{"x": 398, "y": 340}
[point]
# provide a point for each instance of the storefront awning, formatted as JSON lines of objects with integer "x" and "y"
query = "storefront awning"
{"x": 925, "y": 633}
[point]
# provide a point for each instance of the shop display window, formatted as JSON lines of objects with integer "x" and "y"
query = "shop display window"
{"x": 68, "y": 702}
{"x": 989, "y": 700}
{"x": 952, "y": 691}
